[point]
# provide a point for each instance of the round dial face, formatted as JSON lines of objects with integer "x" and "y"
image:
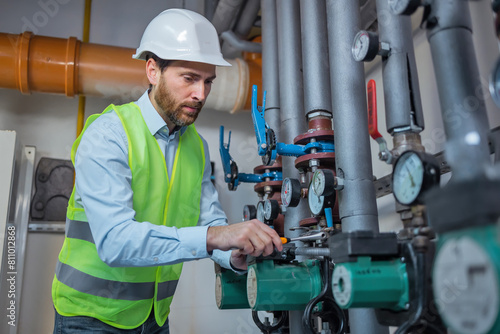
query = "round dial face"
{"x": 260, "y": 211}
{"x": 315, "y": 202}
{"x": 318, "y": 182}
{"x": 465, "y": 268}
{"x": 249, "y": 212}
{"x": 268, "y": 209}
{"x": 408, "y": 178}
{"x": 290, "y": 192}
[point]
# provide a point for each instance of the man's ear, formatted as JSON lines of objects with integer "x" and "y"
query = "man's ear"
{"x": 152, "y": 71}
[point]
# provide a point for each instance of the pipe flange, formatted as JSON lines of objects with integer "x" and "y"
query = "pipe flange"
{"x": 276, "y": 167}
{"x": 326, "y": 160}
{"x": 318, "y": 134}
{"x": 307, "y": 222}
{"x": 275, "y": 185}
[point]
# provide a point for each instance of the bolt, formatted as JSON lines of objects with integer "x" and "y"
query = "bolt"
{"x": 228, "y": 175}
{"x": 407, "y": 306}
{"x": 264, "y": 146}
{"x": 403, "y": 259}
{"x": 268, "y": 189}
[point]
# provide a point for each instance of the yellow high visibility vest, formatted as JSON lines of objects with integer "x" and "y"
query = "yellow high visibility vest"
{"x": 123, "y": 296}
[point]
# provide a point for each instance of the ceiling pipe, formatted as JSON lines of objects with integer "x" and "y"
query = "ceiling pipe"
{"x": 31, "y": 63}
{"x": 224, "y": 14}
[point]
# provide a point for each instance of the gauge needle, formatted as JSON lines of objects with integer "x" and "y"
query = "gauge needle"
{"x": 411, "y": 177}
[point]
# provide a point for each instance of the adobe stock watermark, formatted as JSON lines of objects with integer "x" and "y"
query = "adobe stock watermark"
{"x": 48, "y": 10}
{"x": 11, "y": 276}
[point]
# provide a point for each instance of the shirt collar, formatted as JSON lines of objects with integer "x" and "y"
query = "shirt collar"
{"x": 153, "y": 120}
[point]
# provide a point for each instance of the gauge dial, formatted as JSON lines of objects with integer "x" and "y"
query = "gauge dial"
{"x": 365, "y": 46}
{"x": 413, "y": 174}
{"x": 271, "y": 209}
{"x": 249, "y": 212}
{"x": 323, "y": 182}
{"x": 260, "y": 211}
{"x": 290, "y": 192}
{"x": 316, "y": 203}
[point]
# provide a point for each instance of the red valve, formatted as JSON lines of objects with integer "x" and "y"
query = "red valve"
{"x": 372, "y": 110}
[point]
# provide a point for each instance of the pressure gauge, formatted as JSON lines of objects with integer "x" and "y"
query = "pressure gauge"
{"x": 249, "y": 212}
{"x": 323, "y": 182}
{"x": 414, "y": 173}
{"x": 260, "y": 211}
{"x": 271, "y": 209}
{"x": 404, "y": 7}
{"x": 365, "y": 46}
{"x": 316, "y": 203}
{"x": 495, "y": 83}
{"x": 290, "y": 192}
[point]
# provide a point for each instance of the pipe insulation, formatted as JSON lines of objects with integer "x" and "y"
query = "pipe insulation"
{"x": 357, "y": 202}
{"x": 403, "y": 105}
{"x": 31, "y": 63}
{"x": 270, "y": 64}
{"x": 457, "y": 75}
{"x": 315, "y": 57}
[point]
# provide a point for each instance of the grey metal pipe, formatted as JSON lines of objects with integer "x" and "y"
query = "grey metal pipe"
{"x": 457, "y": 75}
{"x": 225, "y": 13}
{"x": 399, "y": 71}
{"x": 357, "y": 203}
{"x": 270, "y": 64}
{"x": 292, "y": 117}
{"x": 241, "y": 30}
{"x": 247, "y": 18}
{"x": 315, "y": 56}
{"x": 239, "y": 44}
{"x": 291, "y": 95}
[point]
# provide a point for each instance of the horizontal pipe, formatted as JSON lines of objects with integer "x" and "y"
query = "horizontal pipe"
{"x": 32, "y": 63}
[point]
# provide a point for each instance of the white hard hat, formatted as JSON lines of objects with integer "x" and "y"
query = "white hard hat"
{"x": 181, "y": 34}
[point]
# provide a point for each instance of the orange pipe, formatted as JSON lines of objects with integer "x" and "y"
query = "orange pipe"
{"x": 67, "y": 66}
{"x": 32, "y": 63}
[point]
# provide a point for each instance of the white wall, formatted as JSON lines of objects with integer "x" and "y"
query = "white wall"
{"x": 49, "y": 123}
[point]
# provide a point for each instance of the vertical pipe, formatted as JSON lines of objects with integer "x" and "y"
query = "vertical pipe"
{"x": 401, "y": 89}
{"x": 291, "y": 104}
{"x": 82, "y": 99}
{"x": 315, "y": 56}
{"x": 457, "y": 75}
{"x": 357, "y": 204}
{"x": 270, "y": 64}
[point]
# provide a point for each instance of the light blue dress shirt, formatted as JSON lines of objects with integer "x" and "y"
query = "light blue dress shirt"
{"x": 103, "y": 187}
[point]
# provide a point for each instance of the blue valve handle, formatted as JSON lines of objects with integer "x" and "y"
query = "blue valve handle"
{"x": 227, "y": 162}
{"x": 329, "y": 217}
{"x": 290, "y": 150}
{"x": 259, "y": 123}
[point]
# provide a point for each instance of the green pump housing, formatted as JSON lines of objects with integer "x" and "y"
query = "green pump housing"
{"x": 371, "y": 284}
{"x": 466, "y": 279}
{"x": 231, "y": 290}
{"x": 274, "y": 286}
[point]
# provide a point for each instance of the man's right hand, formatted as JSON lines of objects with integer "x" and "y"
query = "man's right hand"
{"x": 251, "y": 238}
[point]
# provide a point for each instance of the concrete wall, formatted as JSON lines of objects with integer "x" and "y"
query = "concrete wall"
{"x": 49, "y": 123}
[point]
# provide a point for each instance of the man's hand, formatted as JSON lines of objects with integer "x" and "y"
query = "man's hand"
{"x": 239, "y": 260}
{"x": 250, "y": 238}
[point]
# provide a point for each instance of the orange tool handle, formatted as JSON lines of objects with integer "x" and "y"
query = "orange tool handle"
{"x": 372, "y": 109}
{"x": 285, "y": 240}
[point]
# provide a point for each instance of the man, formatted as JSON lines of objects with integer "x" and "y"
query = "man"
{"x": 143, "y": 201}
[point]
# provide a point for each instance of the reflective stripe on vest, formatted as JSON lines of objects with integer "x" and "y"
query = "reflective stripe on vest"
{"x": 123, "y": 297}
{"x": 85, "y": 283}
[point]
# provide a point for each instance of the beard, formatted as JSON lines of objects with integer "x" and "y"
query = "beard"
{"x": 173, "y": 109}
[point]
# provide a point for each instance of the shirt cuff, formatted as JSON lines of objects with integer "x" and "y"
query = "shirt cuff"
{"x": 194, "y": 241}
